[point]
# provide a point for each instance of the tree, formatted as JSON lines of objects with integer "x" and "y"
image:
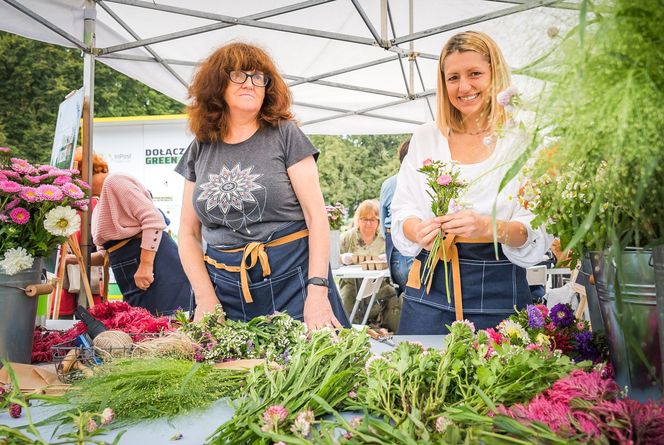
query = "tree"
{"x": 352, "y": 168}
{"x": 35, "y": 77}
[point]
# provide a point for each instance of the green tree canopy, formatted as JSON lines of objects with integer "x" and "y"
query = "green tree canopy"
{"x": 35, "y": 77}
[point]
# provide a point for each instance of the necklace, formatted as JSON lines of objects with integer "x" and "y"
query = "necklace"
{"x": 478, "y": 132}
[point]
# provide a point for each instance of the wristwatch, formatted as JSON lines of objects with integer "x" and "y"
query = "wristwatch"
{"x": 318, "y": 281}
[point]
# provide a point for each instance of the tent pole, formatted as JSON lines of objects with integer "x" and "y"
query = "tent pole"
{"x": 89, "y": 17}
{"x": 411, "y": 51}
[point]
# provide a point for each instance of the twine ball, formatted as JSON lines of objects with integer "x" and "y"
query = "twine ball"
{"x": 116, "y": 343}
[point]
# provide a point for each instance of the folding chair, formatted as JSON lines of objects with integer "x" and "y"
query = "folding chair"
{"x": 368, "y": 288}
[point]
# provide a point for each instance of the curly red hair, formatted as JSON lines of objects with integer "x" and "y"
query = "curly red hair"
{"x": 208, "y": 111}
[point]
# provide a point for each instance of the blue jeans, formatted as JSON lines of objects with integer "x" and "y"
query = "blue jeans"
{"x": 399, "y": 264}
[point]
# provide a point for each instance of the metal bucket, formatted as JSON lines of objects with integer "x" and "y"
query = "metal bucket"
{"x": 17, "y": 314}
{"x": 335, "y": 249}
{"x": 594, "y": 309}
{"x": 658, "y": 260}
{"x": 633, "y": 338}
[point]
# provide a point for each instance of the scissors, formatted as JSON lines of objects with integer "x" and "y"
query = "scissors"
{"x": 381, "y": 335}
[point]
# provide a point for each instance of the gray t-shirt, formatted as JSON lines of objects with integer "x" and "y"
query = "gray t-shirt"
{"x": 243, "y": 192}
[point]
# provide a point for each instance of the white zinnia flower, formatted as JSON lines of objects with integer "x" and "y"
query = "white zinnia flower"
{"x": 62, "y": 221}
{"x": 16, "y": 260}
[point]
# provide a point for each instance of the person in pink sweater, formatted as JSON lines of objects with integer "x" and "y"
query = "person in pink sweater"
{"x": 146, "y": 265}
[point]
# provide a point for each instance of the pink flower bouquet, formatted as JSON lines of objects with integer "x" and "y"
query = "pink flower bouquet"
{"x": 38, "y": 210}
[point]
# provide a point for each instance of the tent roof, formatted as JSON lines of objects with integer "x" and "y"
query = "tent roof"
{"x": 346, "y": 76}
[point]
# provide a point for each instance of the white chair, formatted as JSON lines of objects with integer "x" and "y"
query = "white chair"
{"x": 536, "y": 276}
{"x": 368, "y": 288}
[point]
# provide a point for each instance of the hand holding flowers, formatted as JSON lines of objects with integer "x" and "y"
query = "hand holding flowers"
{"x": 445, "y": 188}
{"x": 38, "y": 211}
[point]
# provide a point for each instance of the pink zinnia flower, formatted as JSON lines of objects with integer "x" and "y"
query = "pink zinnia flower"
{"x": 29, "y": 194}
{"x": 49, "y": 192}
{"x": 427, "y": 162}
{"x": 10, "y": 186}
{"x": 13, "y": 203}
{"x": 81, "y": 183}
{"x": 22, "y": 166}
{"x": 19, "y": 215}
{"x": 444, "y": 179}
{"x": 73, "y": 191}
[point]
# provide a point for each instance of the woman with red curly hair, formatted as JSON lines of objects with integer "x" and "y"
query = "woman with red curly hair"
{"x": 252, "y": 194}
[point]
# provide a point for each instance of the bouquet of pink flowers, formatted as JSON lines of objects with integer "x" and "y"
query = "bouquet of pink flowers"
{"x": 38, "y": 210}
{"x": 445, "y": 191}
{"x": 335, "y": 215}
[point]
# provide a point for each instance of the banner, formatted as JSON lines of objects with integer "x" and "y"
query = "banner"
{"x": 66, "y": 130}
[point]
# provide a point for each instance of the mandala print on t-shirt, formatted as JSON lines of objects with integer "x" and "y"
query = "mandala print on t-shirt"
{"x": 233, "y": 197}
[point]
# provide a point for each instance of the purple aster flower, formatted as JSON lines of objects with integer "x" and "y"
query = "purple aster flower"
{"x": 22, "y": 166}
{"x": 13, "y": 203}
{"x": 562, "y": 315}
{"x": 535, "y": 317}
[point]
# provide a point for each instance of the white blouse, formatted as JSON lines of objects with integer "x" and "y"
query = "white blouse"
{"x": 411, "y": 199}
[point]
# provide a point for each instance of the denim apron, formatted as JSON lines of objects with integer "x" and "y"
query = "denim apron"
{"x": 170, "y": 289}
{"x": 283, "y": 290}
{"x": 491, "y": 289}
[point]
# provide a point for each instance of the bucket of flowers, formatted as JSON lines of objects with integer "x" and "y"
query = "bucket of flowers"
{"x": 38, "y": 212}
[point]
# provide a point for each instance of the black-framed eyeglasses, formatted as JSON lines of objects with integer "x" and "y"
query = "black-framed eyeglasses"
{"x": 257, "y": 79}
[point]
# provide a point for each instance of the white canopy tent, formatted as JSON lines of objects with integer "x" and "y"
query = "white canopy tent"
{"x": 354, "y": 66}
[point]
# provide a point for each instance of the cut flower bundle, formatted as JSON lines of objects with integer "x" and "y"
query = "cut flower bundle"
{"x": 38, "y": 210}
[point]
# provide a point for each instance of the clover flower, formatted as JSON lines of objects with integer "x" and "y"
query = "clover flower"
{"x": 442, "y": 423}
{"x": 371, "y": 360}
{"x": 273, "y": 417}
{"x": 91, "y": 426}
{"x": 62, "y": 221}
{"x": 16, "y": 260}
{"x": 302, "y": 423}
{"x": 107, "y": 416}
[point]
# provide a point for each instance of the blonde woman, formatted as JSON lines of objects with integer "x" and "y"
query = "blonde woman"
{"x": 365, "y": 238}
{"x": 485, "y": 289}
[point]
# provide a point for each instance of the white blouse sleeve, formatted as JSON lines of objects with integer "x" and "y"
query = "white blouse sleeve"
{"x": 533, "y": 251}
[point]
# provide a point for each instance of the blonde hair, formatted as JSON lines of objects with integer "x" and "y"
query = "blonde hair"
{"x": 369, "y": 208}
{"x": 449, "y": 118}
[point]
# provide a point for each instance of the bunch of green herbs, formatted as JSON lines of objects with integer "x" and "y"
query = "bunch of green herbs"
{"x": 149, "y": 388}
{"x": 268, "y": 336}
{"x": 281, "y": 403}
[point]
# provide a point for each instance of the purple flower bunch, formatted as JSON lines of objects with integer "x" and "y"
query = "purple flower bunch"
{"x": 558, "y": 328}
{"x": 38, "y": 207}
{"x": 335, "y": 215}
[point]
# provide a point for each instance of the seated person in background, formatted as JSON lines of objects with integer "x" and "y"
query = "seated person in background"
{"x": 128, "y": 226}
{"x": 364, "y": 238}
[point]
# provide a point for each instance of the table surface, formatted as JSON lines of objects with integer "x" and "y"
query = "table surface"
{"x": 356, "y": 271}
{"x": 195, "y": 426}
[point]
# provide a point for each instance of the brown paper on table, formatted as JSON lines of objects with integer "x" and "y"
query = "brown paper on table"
{"x": 239, "y": 365}
{"x": 33, "y": 378}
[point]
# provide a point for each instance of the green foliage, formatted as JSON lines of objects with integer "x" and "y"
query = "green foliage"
{"x": 352, "y": 168}
{"x": 600, "y": 182}
{"x": 148, "y": 388}
{"x": 35, "y": 77}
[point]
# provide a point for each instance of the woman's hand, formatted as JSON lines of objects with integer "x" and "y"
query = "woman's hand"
{"x": 206, "y": 305}
{"x": 144, "y": 276}
{"x": 467, "y": 223}
{"x": 426, "y": 232}
{"x": 317, "y": 310}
